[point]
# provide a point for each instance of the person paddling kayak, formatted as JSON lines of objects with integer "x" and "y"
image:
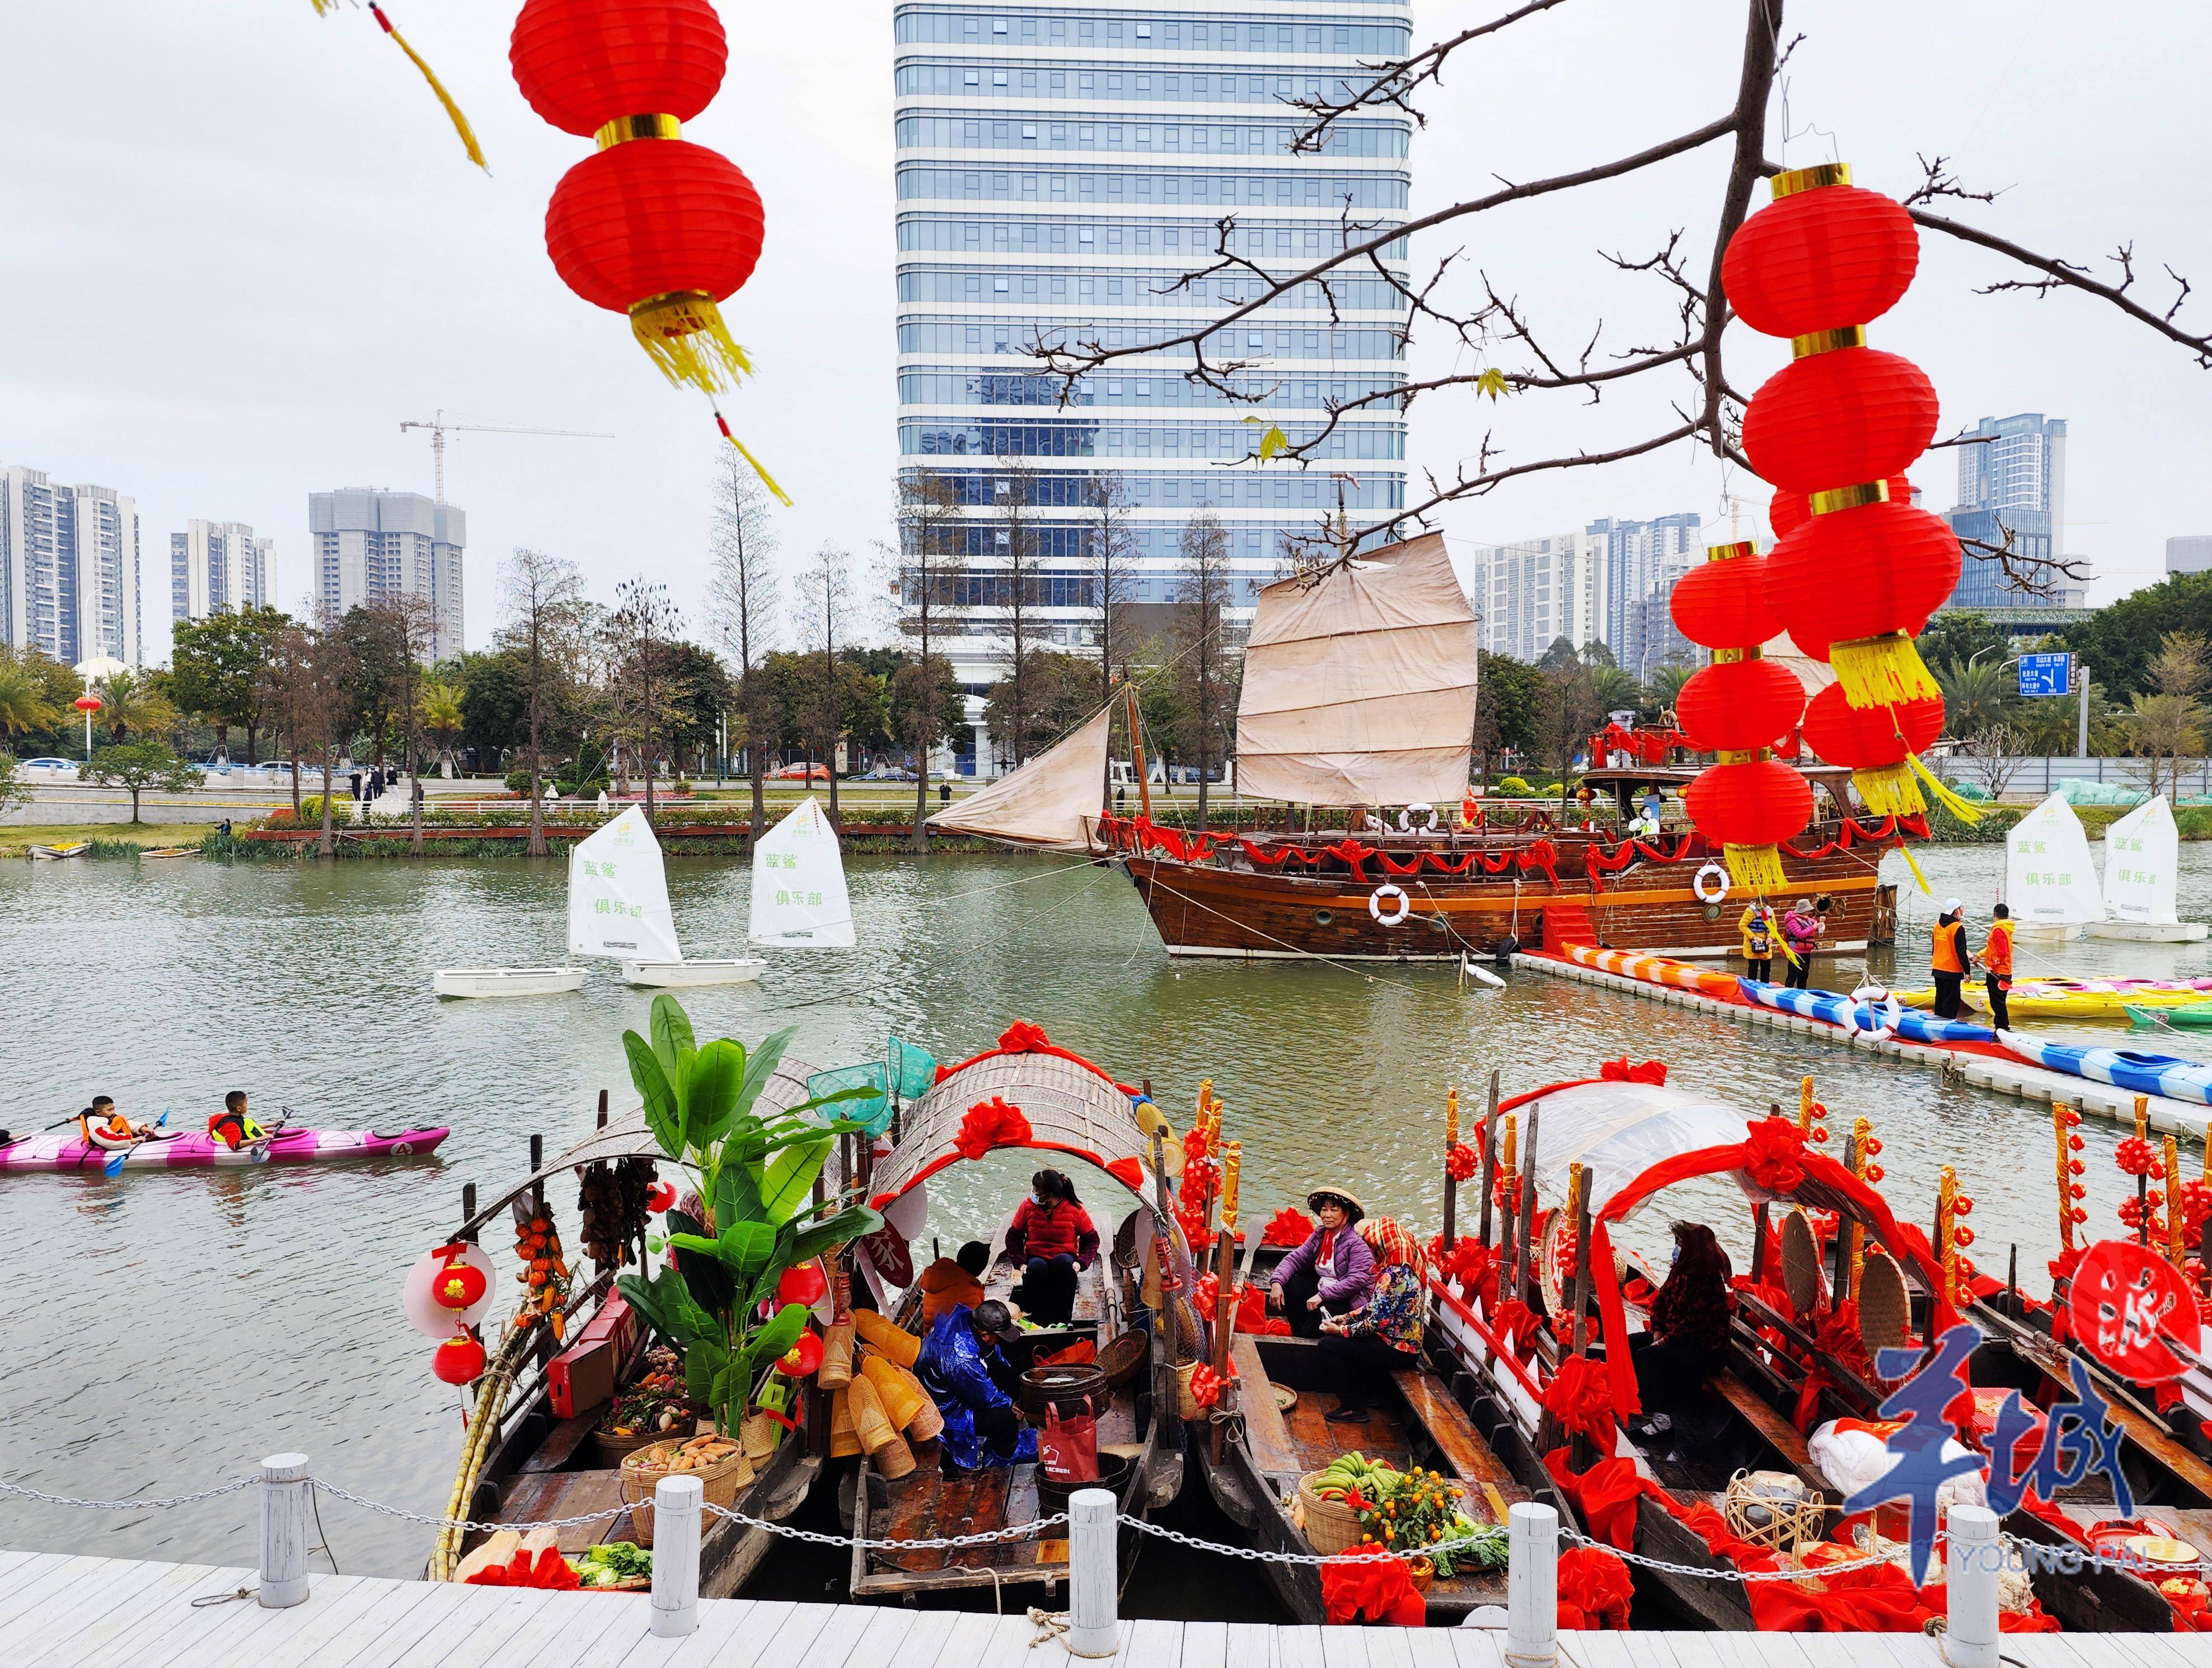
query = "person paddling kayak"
{"x": 233, "y": 1126}
{"x": 103, "y": 1127}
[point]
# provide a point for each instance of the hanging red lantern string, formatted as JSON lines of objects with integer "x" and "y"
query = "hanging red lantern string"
{"x": 1878, "y": 745}
{"x": 1858, "y": 570}
{"x": 653, "y": 226}
{"x": 1737, "y": 708}
{"x": 323, "y": 8}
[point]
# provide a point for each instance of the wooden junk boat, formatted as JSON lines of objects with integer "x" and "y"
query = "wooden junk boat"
{"x": 1359, "y": 691}
{"x": 1799, "y": 1353}
{"x": 543, "y": 1402}
{"x": 1060, "y": 1103}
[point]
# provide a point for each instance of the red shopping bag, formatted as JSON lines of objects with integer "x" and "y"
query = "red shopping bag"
{"x": 1068, "y": 1448}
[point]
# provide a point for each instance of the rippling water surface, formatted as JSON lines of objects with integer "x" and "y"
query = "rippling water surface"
{"x": 164, "y": 1331}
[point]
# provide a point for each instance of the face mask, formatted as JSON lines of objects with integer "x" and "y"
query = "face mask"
{"x": 1676, "y": 1258}
{"x": 1038, "y": 1199}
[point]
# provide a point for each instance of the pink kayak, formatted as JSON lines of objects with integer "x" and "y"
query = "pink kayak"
{"x": 64, "y": 1149}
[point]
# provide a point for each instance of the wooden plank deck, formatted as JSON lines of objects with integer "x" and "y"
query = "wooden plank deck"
{"x": 63, "y": 1611}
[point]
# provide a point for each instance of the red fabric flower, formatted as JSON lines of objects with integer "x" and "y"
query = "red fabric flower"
{"x": 1022, "y": 1038}
{"x": 1459, "y": 1162}
{"x": 1206, "y": 1387}
{"x": 1595, "y": 1591}
{"x": 1604, "y": 1496}
{"x": 991, "y": 1123}
{"x": 2136, "y": 1157}
{"x": 1375, "y": 1590}
{"x": 1288, "y": 1226}
{"x": 1774, "y": 1154}
{"x": 1193, "y": 1145}
{"x": 1619, "y": 1071}
{"x": 1129, "y": 1173}
{"x": 1580, "y": 1396}
{"x": 546, "y": 1568}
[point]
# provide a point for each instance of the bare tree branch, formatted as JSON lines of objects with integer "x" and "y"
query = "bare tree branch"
{"x": 1395, "y": 83}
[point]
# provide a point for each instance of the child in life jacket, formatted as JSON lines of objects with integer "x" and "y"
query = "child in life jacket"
{"x": 233, "y": 1126}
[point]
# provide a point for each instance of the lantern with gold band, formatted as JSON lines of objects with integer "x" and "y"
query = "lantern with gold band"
{"x": 1854, "y": 580}
{"x": 1738, "y": 708}
{"x": 1878, "y": 745}
{"x": 653, "y": 226}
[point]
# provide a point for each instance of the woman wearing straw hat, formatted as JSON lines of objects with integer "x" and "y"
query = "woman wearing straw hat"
{"x": 1332, "y": 1274}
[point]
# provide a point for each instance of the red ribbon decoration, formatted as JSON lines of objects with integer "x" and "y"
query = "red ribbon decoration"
{"x": 1593, "y": 1591}
{"x": 991, "y": 1123}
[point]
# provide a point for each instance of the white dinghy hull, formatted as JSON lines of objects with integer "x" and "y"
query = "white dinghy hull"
{"x": 2149, "y": 932}
{"x": 507, "y": 981}
{"x": 680, "y": 975}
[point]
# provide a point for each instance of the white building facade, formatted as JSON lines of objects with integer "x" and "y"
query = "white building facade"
{"x": 214, "y": 565}
{"x": 370, "y": 543}
{"x": 69, "y": 568}
{"x": 1060, "y": 168}
{"x": 1532, "y": 594}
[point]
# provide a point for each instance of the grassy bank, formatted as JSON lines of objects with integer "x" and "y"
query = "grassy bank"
{"x": 293, "y": 851}
{"x": 2192, "y": 822}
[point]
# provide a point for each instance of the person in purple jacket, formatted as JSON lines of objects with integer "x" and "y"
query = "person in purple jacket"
{"x": 1332, "y": 1274}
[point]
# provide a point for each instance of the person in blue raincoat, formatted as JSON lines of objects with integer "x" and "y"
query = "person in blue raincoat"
{"x": 962, "y": 1369}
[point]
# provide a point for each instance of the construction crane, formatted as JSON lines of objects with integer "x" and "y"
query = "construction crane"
{"x": 438, "y": 427}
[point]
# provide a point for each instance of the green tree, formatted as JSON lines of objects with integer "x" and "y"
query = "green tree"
{"x": 214, "y": 670}
{"x": 438, "y": 700}
{"x": 139, "y": 765}
{"x": 2120, "y": 641}
{"x": 1507, "y": 695}
{"x": 1963, "y": 637}
{"x": 25, "y": 705}
{"x": 699, "y": 691}
{"x": 1978, "y": 695}
{"x": 495, "y": 705}
{"x": 1665, "y": 689}
{"x": 542, "y": 644}
{"x": 933, "y": 567}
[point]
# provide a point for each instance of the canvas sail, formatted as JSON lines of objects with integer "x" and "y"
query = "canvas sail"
{"x": 1359, "y": 683}
{"x": 798, "y": 884}
{"x": 2143, "y": 851}
{"x": 618, "y": 894}
{"x": 2050, "y": 880}
{"x": 1046, "y": 802}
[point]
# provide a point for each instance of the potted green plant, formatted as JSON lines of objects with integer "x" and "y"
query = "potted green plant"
{"x": 757, "y": 1177}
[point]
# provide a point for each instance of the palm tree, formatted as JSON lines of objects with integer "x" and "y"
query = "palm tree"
{"x": 1665, "y": 685}
{"x": 23, "y": 704}
{"x": 131, "y": 705}
{"x": 1976, "y": 696}
{"x": 440, "y": 704}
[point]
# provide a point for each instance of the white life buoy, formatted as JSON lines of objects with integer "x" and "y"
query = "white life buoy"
{"x": 1407, "y": 825}
{"x": 1893, "y": 1011}
{"x": 1719, "y": 879}
{"x": 1397, "y": 894}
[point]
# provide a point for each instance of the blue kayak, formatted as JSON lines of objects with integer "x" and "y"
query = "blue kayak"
{"x": 2124, "y": 1069}
{"x": 1912, "y": 1026}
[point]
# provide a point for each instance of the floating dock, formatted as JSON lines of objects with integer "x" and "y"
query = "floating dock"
{"x": 2006, "y": 1076}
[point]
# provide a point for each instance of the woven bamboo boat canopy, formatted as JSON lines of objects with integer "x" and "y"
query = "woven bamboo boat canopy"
{"x": 628, "y": 1137}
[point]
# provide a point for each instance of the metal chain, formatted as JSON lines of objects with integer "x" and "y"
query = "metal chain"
{"x": 1253, "y": 1554}
{"x": 430, "y": 1522}
{"x": 128, "y": 1505}
{"x": 1019, "y": 1531}
{"x": 1701, "y": 1572}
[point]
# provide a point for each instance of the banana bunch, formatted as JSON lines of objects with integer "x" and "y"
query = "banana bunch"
{"x": 1353, "y": 1473}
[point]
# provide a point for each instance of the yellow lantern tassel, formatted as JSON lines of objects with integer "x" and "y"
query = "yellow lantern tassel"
{"x": 1880, "y": 671}
{"x": 1964, "y": 810}
{"x": 1889, "y": 790}
{"x": 683, "y": 332}
{"x": 784, "y": 499}
{"x": 1905, "y": 852}
{"x": 460, "y": 122}
{"x": 1756, "y": 869}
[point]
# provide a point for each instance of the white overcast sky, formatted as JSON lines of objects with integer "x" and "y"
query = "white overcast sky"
{"x": 238, "y": 243}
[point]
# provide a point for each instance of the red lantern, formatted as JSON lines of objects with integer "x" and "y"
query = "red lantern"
{"x": 1824, "y": 255}
{"x": 457, "y": 1285}
{"x": 1840, "y": 418}
{"x": 1722, "y": 604}
{"x": 660, "y": 1197}
{"x": 1876, "y": 743}
{"x": 803, "y": 1357}
{"x": 1786, "y": 512}
{"x": 802, "y": 1283}
{"x": 459, "y": 1359}
{"x": 1853, "y": 585}
{"x": 1750, "y": 806}
{"x": 87, "y": 703}
{"x": 1739, "y": 706}
{"x": 582, "y": 63}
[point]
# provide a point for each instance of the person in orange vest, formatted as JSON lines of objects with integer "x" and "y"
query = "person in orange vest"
{"x": 1997, "y": 966}
{"x": 1950, "y": 959}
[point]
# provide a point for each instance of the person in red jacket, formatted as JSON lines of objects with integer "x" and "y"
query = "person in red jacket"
{"x": 1051, "y": 1238}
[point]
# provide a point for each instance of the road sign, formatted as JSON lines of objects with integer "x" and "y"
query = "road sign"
{"x": 2046, "y": 674}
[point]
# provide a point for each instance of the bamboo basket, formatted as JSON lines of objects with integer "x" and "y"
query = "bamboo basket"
{"x": 899, "y": 1392}
{"x": 842, "y": 1441}
{"x": 888, "y": 1339}
{"x": 893, "y": 1460}
{"x": 613, "y": 1450}
{"x": 927, "y": 1425}
{"x": 722, "y": 1482}
{"x": 871, "y": 1424}
{"x": 1330, "y": 1526}
{"x": 1186, "y": 1404}
{"x": 836, "y": 1369}
{"x": 761, "y": 1435}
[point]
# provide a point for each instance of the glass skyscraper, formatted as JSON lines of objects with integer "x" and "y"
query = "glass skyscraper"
{"x": 1059, "y": 169}
{"x": 2012, "y": 480}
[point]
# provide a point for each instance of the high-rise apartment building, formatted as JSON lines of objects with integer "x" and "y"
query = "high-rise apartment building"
{"x": 369, "y": 543}
{"x": 69, "y": 568}
{"x": 1060, "y": 170}
{"x": 2191, "y": 553}
{"x": 2012, "y": 481}
{"x": 1532, "y": 594}
{"x": 214, "y": 565}
{"x": 1643, "y": 561}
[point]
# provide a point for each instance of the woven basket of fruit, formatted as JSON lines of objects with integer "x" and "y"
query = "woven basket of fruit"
{"x": 718, "y": 1462}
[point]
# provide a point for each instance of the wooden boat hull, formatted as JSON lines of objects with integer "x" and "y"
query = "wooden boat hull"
{"x": 1202, "y": 909}
{"x": 684, "y": 974}
{"x": 478, "y": 981}
{"x": 55, "y": 853}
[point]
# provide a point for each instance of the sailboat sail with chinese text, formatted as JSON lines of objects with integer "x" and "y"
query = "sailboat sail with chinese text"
{"x": 618, "y": 908}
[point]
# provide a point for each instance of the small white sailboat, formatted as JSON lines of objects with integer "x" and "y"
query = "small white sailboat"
{"x": 2050, "y": 882}
{"x": 799, "y": 900}
{"x": 618, "y": 909}
{"x": 2142, "y": 852}
{"x": 507, "y": 981}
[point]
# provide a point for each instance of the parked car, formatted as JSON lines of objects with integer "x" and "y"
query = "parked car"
{"x": 889, "y": 773}
{"x": 801, "y": 773}
{"x": 49, "y": 764}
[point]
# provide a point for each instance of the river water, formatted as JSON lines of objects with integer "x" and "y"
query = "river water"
{"x": 163, "y": 1331}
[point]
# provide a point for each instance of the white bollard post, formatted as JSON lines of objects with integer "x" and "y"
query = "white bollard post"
{"x": 1974, "y": 1560}
{"x": 1094, "y": 1626}
{"x": 1532, "y": 1586}
{"x": 676, "y": 1511}
{"x": 284, "y": 1508}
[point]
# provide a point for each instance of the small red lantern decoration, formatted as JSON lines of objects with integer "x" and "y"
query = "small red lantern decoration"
{"x": 457, "y": 1285}
{"x": 1786, "y": 512}
{"x": 1879, "y": 745}
{"x": 577, "y": 60}
{"x": 87, "y": 703}
{"x": 459, "y": 1359}
{"x": 660, "y": 1197}
{"x": 1820, "y": 259}
{"x": 802, "y": 1283}
{"x": 1722, "y": 604}
{"x": 1847, "y": 414}
{"x": 803, "y": 1357}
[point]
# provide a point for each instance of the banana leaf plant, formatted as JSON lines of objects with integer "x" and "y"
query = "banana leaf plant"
{"x": 757, "y": 1177}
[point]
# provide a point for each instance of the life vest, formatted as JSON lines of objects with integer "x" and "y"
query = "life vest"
{"x": 1949, "y": 955}
{"x": 1758, "y": 942}
{"x": 1996, "y": 954}
{"x": 114, "y": 1133}
{"x": 234, "y": 1129}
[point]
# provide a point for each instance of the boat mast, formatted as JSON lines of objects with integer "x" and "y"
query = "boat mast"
{"x": 1137, "y": 752}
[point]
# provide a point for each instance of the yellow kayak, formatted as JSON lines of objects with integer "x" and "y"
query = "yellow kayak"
{"x": 2078, "y": 999}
